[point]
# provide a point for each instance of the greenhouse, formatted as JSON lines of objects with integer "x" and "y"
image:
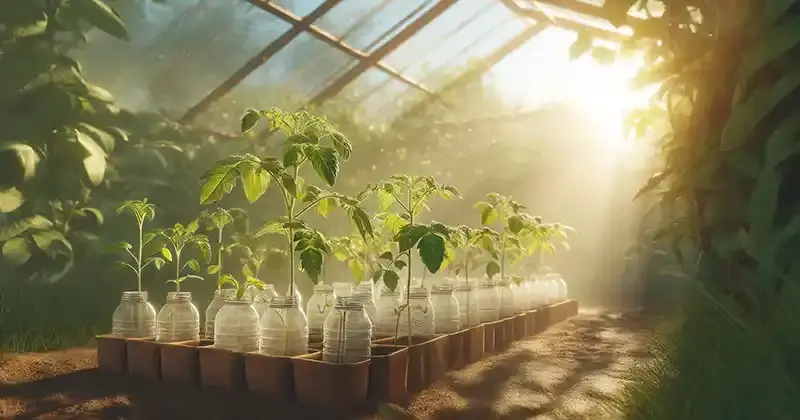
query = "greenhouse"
{"x": 399, "y": 209}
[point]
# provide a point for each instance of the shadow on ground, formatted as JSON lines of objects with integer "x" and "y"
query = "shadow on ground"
{"x": 567, "y": 372}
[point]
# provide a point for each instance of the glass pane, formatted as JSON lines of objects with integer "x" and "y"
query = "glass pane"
{"x": 286, "y": 81}
{"x": 301, "y": 8}
{"x": 180, "y": 51}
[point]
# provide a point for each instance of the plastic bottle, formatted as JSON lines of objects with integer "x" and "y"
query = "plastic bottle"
{"x": 422, "y": 315}
{"x": 319, "y": 307}
{"x": 488, "y": 301}
{"x": 178, "y": 320}
{"x": 134, "y": 317}
{"x": 220, "y": 297}
{"x": 468, "y": 309}
{"x": 386, "y": 315}
{"x": 445, "y": 308}
{"x": 348, "y": 333}
{"x": 284, "y": 328}
{"x": 508, "y": 306}
{"x": 236, "y": 326}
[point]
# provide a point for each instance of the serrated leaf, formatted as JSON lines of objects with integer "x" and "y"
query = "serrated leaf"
{"x": 342, "y": 145}
{"x": 311, "y": 261}
{"x": 218, "y": 182}
{"x": 249, "y": 120}
{"x": 409, "y": 235}
{"x": 362, "y": 221}
{"x": 432, "y": 251}
{"x": 255, "y": 182}
{"x": 325, "y": 161}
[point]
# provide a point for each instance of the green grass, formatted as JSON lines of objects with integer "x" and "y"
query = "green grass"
{"x": 714, "y": 363}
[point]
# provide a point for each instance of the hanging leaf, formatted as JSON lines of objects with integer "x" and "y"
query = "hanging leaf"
{"x": 432, "y": 251}
{"x": 489, "y": 215}
{"x": 95, "y": 166}
{"x": 15, "y": 252}
{"x": 311, "y": 261}
{"x": 342, "y": 145}
{"x": 356, "y": 269}
{"x": 10, "y": 200}
{"x": 21, "y": 156}
{"x": 409, "y": 236}
{"x": 218, "y": 182}
{"x": 250, "y": 120}
{"x": 492, "y": 269}
{"x": 325, "y": 206}
{"x": 102, "y": 16}
{"x": 255, "y": 182}
{"x": 390, "y": 280}
{"x": 325, "y": 161}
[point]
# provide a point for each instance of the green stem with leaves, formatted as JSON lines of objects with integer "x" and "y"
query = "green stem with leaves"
{"x": 139, "y": 257}
{"x": 219, "y": 258}
{"x": 408, "y": 277}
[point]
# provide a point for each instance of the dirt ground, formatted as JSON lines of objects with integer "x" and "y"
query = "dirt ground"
{"x": 566, "y": 372}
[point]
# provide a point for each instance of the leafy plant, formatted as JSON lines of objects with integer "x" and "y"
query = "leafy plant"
{"x": 240, "y": 287}
{"x": 306, "y": 136}
{"x": 219, "y": 218}
{"x": 177, "y": 239}
{"x": 142, "y": 211}
{"x": 411, "y": 194}
{"x": 362, "y": 254}
{"x": 474, "y": 243}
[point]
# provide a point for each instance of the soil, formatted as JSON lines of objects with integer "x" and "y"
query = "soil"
{"x": 570, "y": 371}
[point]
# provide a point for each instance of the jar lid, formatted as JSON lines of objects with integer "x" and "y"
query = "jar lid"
{"x": 283, "y": 302}
{"x": 323, "y": 288}
{"x": 349, "y": 304}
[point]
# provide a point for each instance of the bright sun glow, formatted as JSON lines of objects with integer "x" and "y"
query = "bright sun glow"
{"x": 602, "y": 91}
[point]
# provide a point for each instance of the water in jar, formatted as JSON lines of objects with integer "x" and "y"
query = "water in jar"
{"x": 134, "y": 317}
{"x": 348, "y": 333}
{"x": 236, "y": 326}
{"x": 319, "y": 306}
{"x": 445, "y": 309}
{"x": 220, "y": 296}
{"x": 178, "y": 319}
{"x": 488, "y": 301}
{"x": 284, "y": 328}
{"x": 422, "y": 313}
{"x": 468, "y": 311}
{"x": 386, "y": 315}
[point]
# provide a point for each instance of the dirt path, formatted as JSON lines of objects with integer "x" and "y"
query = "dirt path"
{"x": 564, "y": 372}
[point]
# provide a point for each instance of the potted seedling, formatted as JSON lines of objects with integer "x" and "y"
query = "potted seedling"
{"x": 218, "y": 220}
{"x": 410, "y": 194}
{"x": 135, "y": 317}
{"x": 310, "y": 141}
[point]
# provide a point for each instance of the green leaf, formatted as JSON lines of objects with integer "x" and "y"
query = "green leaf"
{"x": 23, "y": 155}
{"x": 10, "y": 230}
{"x": 325, "y": 207}
{"x": 218, "y": 182}
{"x": 212, "y": 269}
{"x": 488, "y": 215}
{"x": 356, "y": 269}
{"x": 400, "y": 264}
{"x": 772, "y": 44}
{"x": 255, "y": 182}
{"x": 15, "y": 252}
{"x": 292, "y": 155}
{"x": 325, "y": 161}
{"x": 311, "y": 262}
{"x": 516, "y": 223}
{"x": 360, "y": 218}
{"x": 387, "y": 256}
{"x": 102, "y": 16}
{"x": 385, "y": 200}
{"x": 342, "y": 145}
{"x": 432, "y": 251}
{"x": 92, "y": 212}
{"x": 409, "y": 235}
{"x": 289, "y": 184}
{"x": 95, "y": 166}
{"x": 194, "y": 265}
{"x": 250, "y": 120}
{"x": 10, "y": 200}
{"x": 165, "y": 252}
{"x": 390, "y": 279}
{"x": 492, "y": 269}
{"x": 105, "y": 140}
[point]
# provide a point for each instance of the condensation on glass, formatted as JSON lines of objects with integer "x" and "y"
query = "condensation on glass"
{"x": 386, "y": 315}
{"x": 488, "y": 301}
{"x": 284, "y": 328}
{"x": 318, "y": 308}
{"x": 468, "y": 310}
{"x": 348, "y": 333}
{"x": 220, "y": 297}
{"x": 445, "y": 309}
{"x": 134, "y": 317}
{"x": 236, "y": 326}
{"x": 422, "y": 316}
{"x": 178, "y": 320}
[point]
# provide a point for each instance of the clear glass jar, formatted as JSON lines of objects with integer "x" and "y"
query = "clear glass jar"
{"x": 342, "y": 289}
{"x": 261, "y": 298}
{"x": 488, "y": 302}
{"x": 386, "y": 314}
{"x": 220, "y": 297}
{"x": 284, "y": 328}
{"x": 508, "y": 307}
{"x": 348, "y": 333}
{"x": 363, "y": 294}
{"x": 134, "y": 317}
{"x": 178, "y": 320}
{"x": 468, "y": 312}
{"x": 445, "y": 309}
{"x": 422, "y": 316}
{"x": 236, "y": 326}
{"x": 319, "y": 307}
{"x": 541, "y": 291}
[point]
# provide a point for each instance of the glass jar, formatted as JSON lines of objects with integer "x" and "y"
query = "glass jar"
{"x": 445, "y": 309}
{"x": 319, "y": 307}
{"x": 284, "y": 328}
{"x": 521, "y": 297}
{"x": 363, "y": 294}
{"x": 348, "y": 333}
{"x": 262, "y": 298}
{"x": 468, "y": 312}
{"x": 541, "y": 291}
{"x": 508, "y": 307}
{"x": 488, "y": 302}
{"x": 386, "y": 313}
{"x": 236, "y": 326}
{"x": 220, "y": 297}
{"x": 342, "y": 289}
{"x": 178, "y": 320}
{"x": 422, "y": 316}
{"x": 135, "y": 317}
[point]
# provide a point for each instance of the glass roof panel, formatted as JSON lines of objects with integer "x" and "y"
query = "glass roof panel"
{"x": 165, "y": 66}
{"x": 300, "y": 8}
